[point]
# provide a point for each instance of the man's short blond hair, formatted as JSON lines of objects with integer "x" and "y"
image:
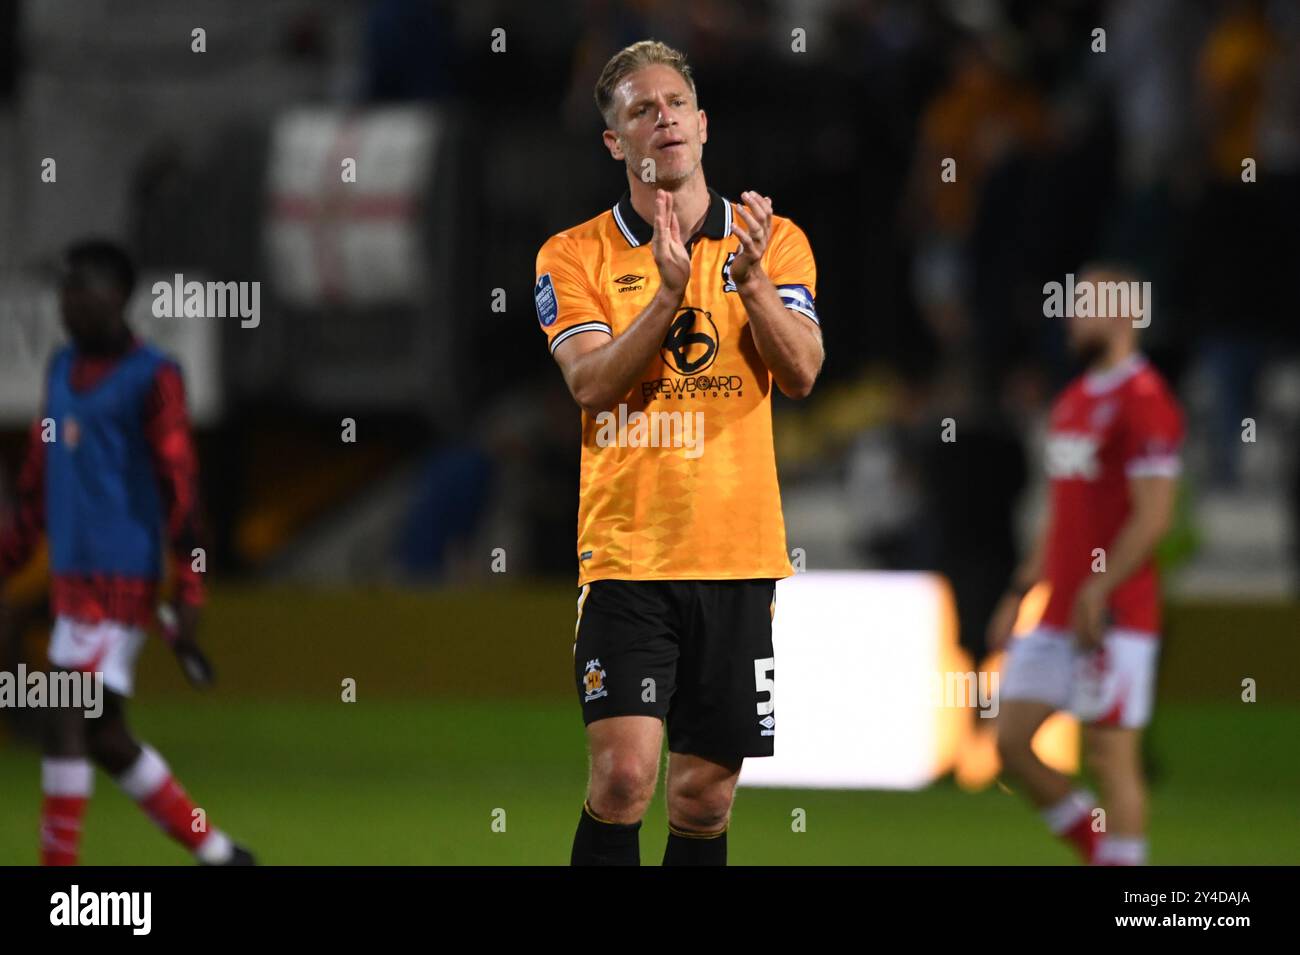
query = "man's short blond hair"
{"x": 630, "y": 59}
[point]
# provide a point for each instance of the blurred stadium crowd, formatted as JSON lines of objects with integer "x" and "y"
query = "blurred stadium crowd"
{"x": 931, "y": 293}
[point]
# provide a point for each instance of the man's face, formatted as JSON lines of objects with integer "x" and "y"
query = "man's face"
{"x": 1091, "y": 337}
{"x": 656, "y": 119}
{"x": 91, "y": 304}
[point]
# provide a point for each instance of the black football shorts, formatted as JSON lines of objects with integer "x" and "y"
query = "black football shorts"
{"x": 695, "y": 653}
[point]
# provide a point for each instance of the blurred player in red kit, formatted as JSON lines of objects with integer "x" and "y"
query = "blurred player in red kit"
{"x": 110, "y": 472}
{"x": 1112, "y": 457}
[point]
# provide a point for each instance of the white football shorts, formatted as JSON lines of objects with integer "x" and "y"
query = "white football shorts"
{"x": 108, "y": 647}
{"x": 1111, "y": 686}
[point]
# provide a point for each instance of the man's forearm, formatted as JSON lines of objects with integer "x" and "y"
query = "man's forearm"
{"x": 792, "y": 353}
{"x": 1030, "y": 570}
{"x": 18, "y": 541}
{"x": 1132, "y": 547}
{"x": 605, "y": 374}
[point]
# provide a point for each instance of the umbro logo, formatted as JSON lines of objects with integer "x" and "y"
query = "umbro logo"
{"x": 630, "y": 282}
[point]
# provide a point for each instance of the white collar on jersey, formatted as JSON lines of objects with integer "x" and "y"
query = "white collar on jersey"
{"x": 1100, "y": 382}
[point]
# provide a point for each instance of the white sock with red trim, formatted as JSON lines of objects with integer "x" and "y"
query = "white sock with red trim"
{"x": 1071, "y": 819}
{"x": 150, "y": 783}
{"x": 66, "y": 785}
{"x": 1121, "y": 850}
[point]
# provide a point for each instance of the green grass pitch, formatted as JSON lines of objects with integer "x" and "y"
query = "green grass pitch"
{"x": 419, "y": 782}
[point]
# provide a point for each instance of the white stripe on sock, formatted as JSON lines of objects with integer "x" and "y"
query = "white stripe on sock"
{"x": 215, "y": 849}
{"x": 1064, "y": 814}
{"x": 143, "y": 777}
{"x": 67, "y": 776}
{"x": 1121, "y": 850}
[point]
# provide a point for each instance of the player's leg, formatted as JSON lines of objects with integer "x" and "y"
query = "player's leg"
{"x": 724, "y": 710}
{"x": 1114, "y": 757}
{"x": 145, "y": 776}
{"x": 1036, "y": 682}
{"x": 138, "y": 769}
{"x": 67, "y": 782}
{"x": 1114, "y": 696}
{"x": 67, "y": 776}
{"x": 700, "y": 795}
{"x": 1018, "y": 721}
{"x": 625, "y": 656}
{"x": 624, "y": 767}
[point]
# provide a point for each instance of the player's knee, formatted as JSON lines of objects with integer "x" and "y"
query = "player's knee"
{"x": 1102, "y": 769}
{"x": 1094, "y": 756}
{"x": 1014, "y": 748}
{"x": 622, "y": 784}
{"x": 111, "y": 746}
{"x": 64, "y": 733}
{"x": 1109, "y": 764}
{"x": 704, "y": 809}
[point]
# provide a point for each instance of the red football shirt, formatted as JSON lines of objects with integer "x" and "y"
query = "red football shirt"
{"x": 1106, "y": 428}
{"x": 128, "y": 600}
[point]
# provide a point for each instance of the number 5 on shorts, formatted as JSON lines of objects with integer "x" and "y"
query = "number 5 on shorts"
{"x": 763, "y": 683}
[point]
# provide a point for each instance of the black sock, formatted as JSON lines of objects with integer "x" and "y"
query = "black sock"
{"x": 695, "y": 848}
{"x": 598, "y": 842}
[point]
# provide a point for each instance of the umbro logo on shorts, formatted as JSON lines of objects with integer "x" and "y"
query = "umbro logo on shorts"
{"x": 769, "y": 726}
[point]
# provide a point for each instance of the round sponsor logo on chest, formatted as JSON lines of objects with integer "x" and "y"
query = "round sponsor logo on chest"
{"x": 1103, "y": 414}
{"x": 691, "y": 344}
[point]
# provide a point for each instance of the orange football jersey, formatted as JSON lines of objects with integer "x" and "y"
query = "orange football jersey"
{"x": 679, "y": 478}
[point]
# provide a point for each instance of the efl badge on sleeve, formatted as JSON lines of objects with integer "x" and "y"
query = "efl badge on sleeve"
{"x": 544, "y": 296}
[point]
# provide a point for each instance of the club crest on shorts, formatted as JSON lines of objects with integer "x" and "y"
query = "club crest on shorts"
{"x": 593, "y": 681}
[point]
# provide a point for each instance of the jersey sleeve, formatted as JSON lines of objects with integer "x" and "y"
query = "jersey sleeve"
{"x": 167, "y": 426}
{"x": 790, "y": 266}
{"x": 566, "y": 303}
{"x": 1153, "y": 435}
{"x": 19, "y": 538}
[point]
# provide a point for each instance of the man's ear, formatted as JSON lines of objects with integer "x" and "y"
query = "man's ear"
{"x": 613, "y": 144}
{"x": 704, "y": 127}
